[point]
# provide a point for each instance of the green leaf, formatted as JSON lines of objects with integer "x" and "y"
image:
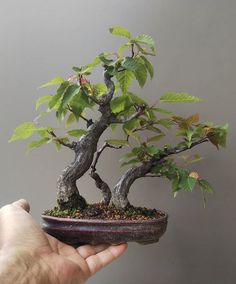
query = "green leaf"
{"x": 125, "y": 79}
{"x": 122, "y": 48}
{"x": 112, "y": 70}
{"x": 87, "y": 69}
{"x": 37, "y": 143}
{"x": 205, "y": 186}
{"x": 117, "y": 142}
{"x": 132, "y": 134}
{"x": 68, "y": 95}
{"x": 95, "y": 61}
{"x": 189, "y": 134}
{"x": 44, "y": 131}
{"x": 150, "y": 114}
{"x": 189, "y": 183}
{"x": 130, "y": 162}
{"x": 183, "y": 176}
{"x": 81, "y": 100}
{"x": 77, "y": 132}
{"x": 195, "y": 158}
{"x": 136, "y": 100}
{"x": 143, "y": 50}
{"x": 55, "y": 101}
{"x": 127, "y": 156}
{"x": 118, "y": 104}
{"x": 141, "y": 73}
{"x": 120, "y": 31}
{"x": 99, "y": 89}
{"x": 155, "y": 138}
{"x": 149, "y": 66}
{"x": 55, "y": 81}
{"x": 225, "y": 127}
{"x": 130, "y": 63}
{"x": 154, "y": 129}
{"x": 167, "y": 123}
{"x": 42, "y": 100}
{"x": 41, "y": 114}
{"x": 146, "y": 39}
{"x": 217, "y": 135}
{"x": 63, "y": 87}
{"x": 71, "y": 118}
{"x": 104, "y": 58}
{"x": 130, "y": 125}
{"x": 179, "y": 98}
{"x": 23, "y": 131}
{"x": 175, "y": 184}
{"x": 57, "y": 144}
{"x": 77, "y": 110}
{"x": 152, "y": 150}
{"x": 77, "y": 69}
{"x": 162, "y": 110}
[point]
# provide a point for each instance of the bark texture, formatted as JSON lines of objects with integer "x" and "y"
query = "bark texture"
{"x": 68, "y": 196}
{"x": 103, "y": 186}
{"x": 121, "y": 190}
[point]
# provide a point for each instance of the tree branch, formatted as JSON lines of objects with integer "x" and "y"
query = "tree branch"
{"x": 103, "y": 186}
{"x": 90, "y": 97}
{"x": 72, "y": 145}
{"x": 132, "y": 50}
{"x": 176, "y": 150}
{"x": 88, "y": 121}
{"x": 157, "y": 175}
{"x": 105, "y": 99}
{"x": 139, "y": 112}
{"x": 99, "y": 152}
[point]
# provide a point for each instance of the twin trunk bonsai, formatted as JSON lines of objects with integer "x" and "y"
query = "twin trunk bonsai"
{"x": 144, "y": 126}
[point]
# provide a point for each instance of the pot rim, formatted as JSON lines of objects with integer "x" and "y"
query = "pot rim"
{"x": 101, "y": 221}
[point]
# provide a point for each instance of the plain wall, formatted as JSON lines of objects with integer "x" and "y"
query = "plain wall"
{"x": 196, "y": 44}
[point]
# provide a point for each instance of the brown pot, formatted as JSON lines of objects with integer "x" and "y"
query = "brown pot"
{"x": 80, "y": 231}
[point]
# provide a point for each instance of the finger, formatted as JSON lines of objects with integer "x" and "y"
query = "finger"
{"x": 88, "y": 250}
{"x": 98, "y": 261}
{"x": 22, "y": 203}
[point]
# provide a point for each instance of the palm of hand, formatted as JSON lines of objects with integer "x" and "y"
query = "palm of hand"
{"x": 65, "y": 263}
{"x": 79, "y": 263}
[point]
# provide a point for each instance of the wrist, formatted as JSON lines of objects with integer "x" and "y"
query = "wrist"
{"x": 17, "y": 266}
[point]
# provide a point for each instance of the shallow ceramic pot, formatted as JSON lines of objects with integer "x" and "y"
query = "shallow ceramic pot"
{"x": 80, "y": 231}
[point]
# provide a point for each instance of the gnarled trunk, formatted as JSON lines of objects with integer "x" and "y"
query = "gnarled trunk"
{"x": 121, "y": 190}
{"x": 68, "y": 196}
{"x": 67, "y": 192}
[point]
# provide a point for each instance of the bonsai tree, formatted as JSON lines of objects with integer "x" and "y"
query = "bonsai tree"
{"x": 143, "y": 124}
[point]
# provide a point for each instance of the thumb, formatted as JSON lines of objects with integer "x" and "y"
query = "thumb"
{"x": 22, "y": 203}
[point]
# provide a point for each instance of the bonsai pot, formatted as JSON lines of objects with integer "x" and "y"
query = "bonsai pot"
{"x": 94, "y": 231}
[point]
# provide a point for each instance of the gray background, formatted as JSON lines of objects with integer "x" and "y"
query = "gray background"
{"x": 196, "y": 45}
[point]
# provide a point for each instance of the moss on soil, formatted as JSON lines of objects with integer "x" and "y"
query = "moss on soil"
{"x": 105, "y": 212}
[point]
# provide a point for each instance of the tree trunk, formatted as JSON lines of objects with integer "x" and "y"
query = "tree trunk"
{"x": 121, "y": 190}
{"x": 68, "y": 196}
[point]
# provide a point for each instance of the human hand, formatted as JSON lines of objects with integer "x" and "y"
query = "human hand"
{"x": 29, "y": 255}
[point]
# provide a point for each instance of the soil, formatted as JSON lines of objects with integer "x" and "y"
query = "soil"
{"x": 105, "y": 212}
